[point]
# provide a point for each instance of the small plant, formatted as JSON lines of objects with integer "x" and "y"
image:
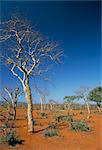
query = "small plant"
{"x": 43, "y": 115}
{"x": 94, "y": 112}
{"x": 7, "y": 129}
{"x": 50, "y": 132}
{"x": 8, "y": 135}
{"x": 79, "y": 126}
{"x": 63, "y": 118}
{"x": 11, "y": 138}
{"x": 81, "y": 112}
{"x": 53, "y": 126}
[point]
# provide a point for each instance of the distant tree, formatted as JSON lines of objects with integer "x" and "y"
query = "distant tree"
{"x": 42, "y": 93}
{"x": 52, "y": 103}
{"x": 28, "y": 54}
{"x": 82, "y": 93}
{"x": 68, "y": 101}
{"x": 95, "y": 95}
{"x": 11, "y": 100}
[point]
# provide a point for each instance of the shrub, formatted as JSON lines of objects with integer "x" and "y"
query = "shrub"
{"x": 11, "y": 138}
{"x": 64, "y": 118}
{"x": 53, "y": 126}
{"x": 52, "y": 130}
{"x": 79, "y": 126}
{"x": 7, "y": 130}
{"x": 81, "y": 112}
{"x": 94, "y": 112}
{"x": 43, "y": 115}
{"x": 9, "y": 135}
{"x": 49, "y": 132}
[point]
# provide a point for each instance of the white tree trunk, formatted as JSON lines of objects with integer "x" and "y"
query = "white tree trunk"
{"x": 88, "y": 108}
{"x": 14, "y": 113}
{"x": 41, "y": 103}
{"x": 69, "y": 106}
{"x": 51, "y": 106}
{"x": 65, "y": 107}
{"x": 44, "y": 106}
{"x": 99, "y": 109}
{"x": 28, "y": 96}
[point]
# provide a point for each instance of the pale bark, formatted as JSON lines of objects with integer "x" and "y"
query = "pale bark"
{"x": 99, "y": 109}
{"x": 28, "y": 96}
{"x": 69, "y": 106}
{"x": 65, "y": 107}
{"x": 14, "y": 113}
{"x": 51, "y": 106}
{"x": 41, "y": 103}
{"x": 88, "y": 108}
{"x": 44, "y": 106}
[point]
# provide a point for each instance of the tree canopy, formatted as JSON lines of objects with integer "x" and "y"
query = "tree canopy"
{"x": 70, "y": 98}
{"x": 25, "y": 49}
{"x": 96, "y": 95}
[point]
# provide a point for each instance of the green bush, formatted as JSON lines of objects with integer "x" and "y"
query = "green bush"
{"x": 79, "y": 126}
{"x": 11, "y": 138}
{"x": 81, "y": 112}
{"x": 64, "y": 118}
{"x": 7, "y": 131}
{"x": 43, "y": 115}
{"x": 53, "y": 126}
{"x": 52, "y": 130}
{"x": 49, "y": 132}
{"x": 94, "y": 112}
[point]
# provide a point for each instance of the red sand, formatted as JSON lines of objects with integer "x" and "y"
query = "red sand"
{"x": 68, "y": 139}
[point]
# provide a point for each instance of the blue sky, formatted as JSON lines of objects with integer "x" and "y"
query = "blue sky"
{"x": 76, "y": 26}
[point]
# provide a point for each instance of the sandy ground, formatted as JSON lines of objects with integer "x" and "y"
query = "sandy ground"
{"x": 67, "y": 139}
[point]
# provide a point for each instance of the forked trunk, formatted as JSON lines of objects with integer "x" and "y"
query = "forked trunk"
{"x": 28, "y": 96}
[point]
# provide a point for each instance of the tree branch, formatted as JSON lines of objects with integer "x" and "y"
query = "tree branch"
{"x": 15, "y": 74}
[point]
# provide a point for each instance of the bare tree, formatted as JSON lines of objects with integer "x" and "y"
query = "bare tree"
{"x": 12, "y": 100}
{"x": 82, "y": 93}
{"x": 52, "y": 103}
{"x": 42, "y": 93}
{"x": 27, "y": 55}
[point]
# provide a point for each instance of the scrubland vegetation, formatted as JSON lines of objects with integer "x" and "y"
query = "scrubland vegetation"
{"x": 54, "y": 124}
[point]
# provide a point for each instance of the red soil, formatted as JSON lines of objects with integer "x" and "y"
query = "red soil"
{"x": 68, "y": 139}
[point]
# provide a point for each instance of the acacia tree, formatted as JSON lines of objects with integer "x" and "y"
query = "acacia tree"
{"x": 68, "y": 101}
{"x": 96, "y": 95}
{"x": 82, "y": 93}
{"x": 27, "y": 54}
